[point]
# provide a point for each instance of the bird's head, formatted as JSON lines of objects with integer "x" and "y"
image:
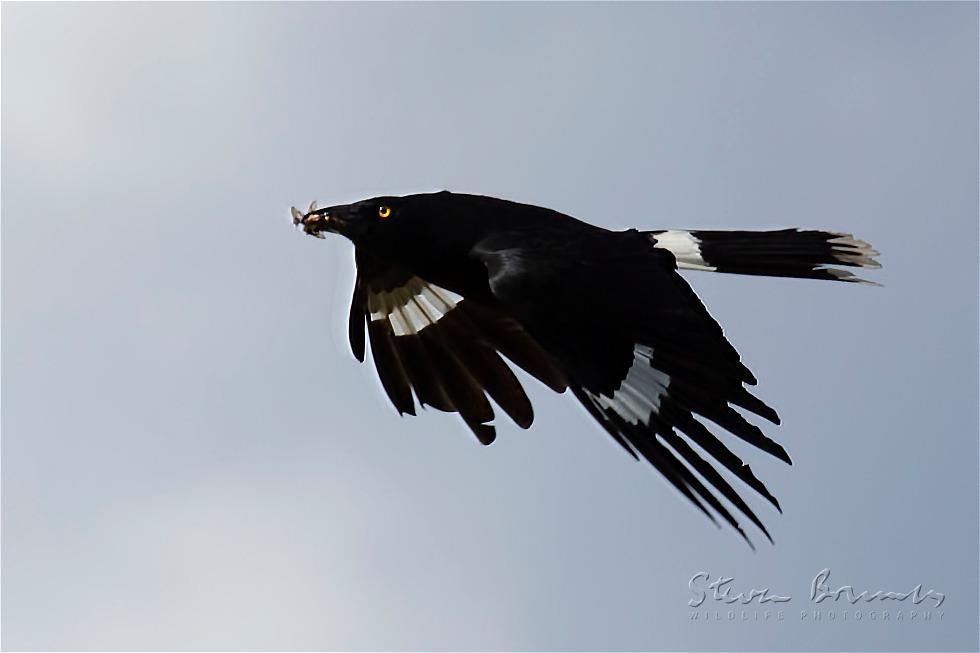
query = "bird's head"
{"x": 424, "y": 225}
{"x": 363, "y": 221}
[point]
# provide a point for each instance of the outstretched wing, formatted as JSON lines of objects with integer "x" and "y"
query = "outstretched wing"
{"x": 444, "y": 348}
{"x": 640, "y": 352}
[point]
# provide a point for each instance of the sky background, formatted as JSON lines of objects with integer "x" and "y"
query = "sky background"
{"x": 193, "y": 459}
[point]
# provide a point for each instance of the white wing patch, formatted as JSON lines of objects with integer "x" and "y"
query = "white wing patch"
{"x": 639, "y": 395}
{"x": 413, "y": 306}
{"x": 685, "y": 248}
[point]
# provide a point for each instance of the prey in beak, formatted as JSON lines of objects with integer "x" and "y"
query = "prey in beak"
{"x": 315, "y": 221}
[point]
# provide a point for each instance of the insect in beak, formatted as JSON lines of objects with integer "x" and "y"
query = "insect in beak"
{"x": 308, "y": 221}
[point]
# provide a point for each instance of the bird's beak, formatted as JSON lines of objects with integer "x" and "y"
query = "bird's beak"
{"x": 316, "y": 221}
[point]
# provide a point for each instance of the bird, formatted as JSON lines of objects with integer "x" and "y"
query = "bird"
{"x": 453, "y": 289}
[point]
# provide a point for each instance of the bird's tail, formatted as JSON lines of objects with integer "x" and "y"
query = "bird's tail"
{"x": 783, "y": 253}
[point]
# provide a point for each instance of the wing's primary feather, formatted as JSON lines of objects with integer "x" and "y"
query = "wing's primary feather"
{"x": 444, "y": 347}
{"x": 640, "y": 352}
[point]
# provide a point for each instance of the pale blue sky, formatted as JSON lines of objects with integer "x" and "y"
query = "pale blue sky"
{"x": 193, "y": 459}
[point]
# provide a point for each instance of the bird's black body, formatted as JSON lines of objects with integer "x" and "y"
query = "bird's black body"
{"x": 448, "y": 285}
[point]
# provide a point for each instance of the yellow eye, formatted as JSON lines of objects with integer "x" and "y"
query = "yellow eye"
{"x": 384, "y": 211}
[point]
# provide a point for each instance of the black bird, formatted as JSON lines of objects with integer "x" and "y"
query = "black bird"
{"x": 449, "y": 285}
